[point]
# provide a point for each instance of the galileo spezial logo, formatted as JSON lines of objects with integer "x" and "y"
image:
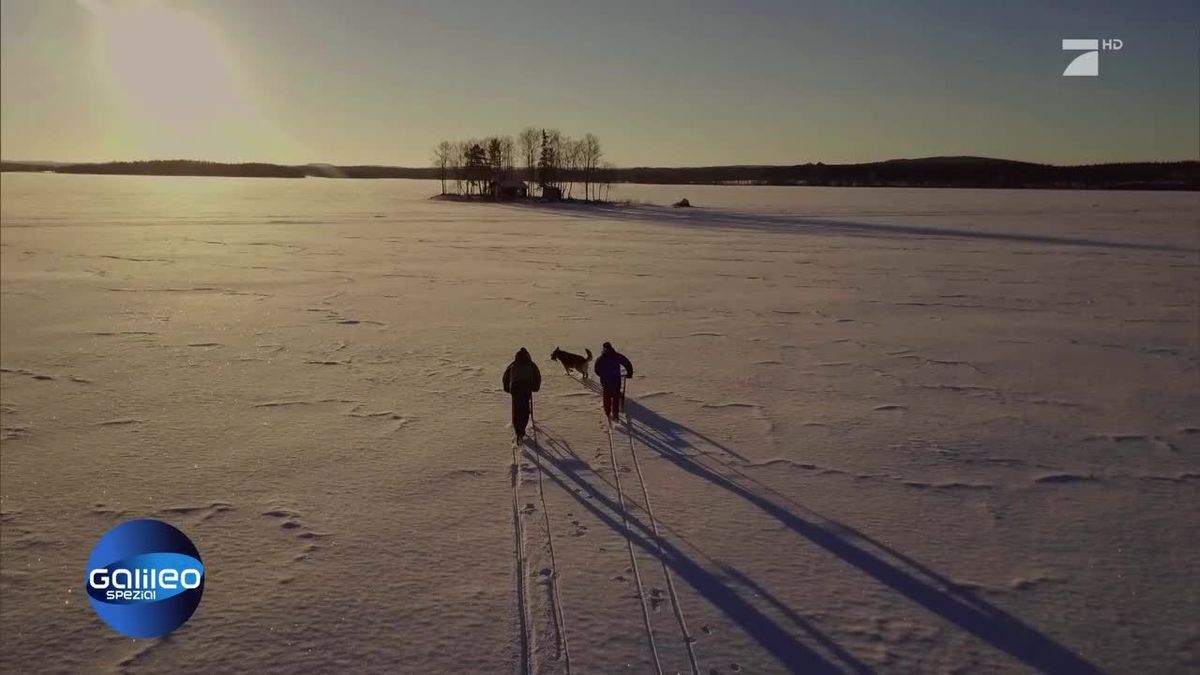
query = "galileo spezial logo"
{"x": 1087, "y": 64}
{"x": 144, "y": 578}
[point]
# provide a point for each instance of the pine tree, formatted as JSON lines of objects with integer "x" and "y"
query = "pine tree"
{"x": 546, "y": 162}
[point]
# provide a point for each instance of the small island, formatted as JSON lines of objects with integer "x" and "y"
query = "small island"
{"x": 540, "y": 164}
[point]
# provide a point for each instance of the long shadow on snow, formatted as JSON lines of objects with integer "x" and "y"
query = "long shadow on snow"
{"x": 667, "y": 426}
{"x": 787, "y": 650}
{"x": 900, "y": 573}
{"x": 718, "y": 218}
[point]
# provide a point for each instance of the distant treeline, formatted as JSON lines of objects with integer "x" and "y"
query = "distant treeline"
{"x": 167, "y": 167}
{"x": 187, "y": 167}
{"x": 961, "y": 172}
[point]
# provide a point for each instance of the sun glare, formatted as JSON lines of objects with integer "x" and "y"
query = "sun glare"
{"x": 175, "y": 84}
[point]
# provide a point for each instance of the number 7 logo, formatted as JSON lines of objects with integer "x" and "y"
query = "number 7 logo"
{"x": 1086, "y": 64}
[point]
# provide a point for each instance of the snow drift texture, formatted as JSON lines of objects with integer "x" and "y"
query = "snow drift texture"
{"x": 875, "y": 430}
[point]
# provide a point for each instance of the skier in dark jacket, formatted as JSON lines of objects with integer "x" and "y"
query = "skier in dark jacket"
{"x": 608, "y": 367}
{"x": 521, "y": 379}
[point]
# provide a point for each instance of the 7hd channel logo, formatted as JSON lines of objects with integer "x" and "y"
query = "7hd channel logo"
{"x": 144, "y": 578}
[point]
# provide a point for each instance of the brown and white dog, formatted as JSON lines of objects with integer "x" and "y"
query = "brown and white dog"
{"x": 571, "y": 361}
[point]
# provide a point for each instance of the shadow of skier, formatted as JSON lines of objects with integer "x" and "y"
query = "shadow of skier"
{"x": 577, "y": 479}
{"x": 911, "y": 579}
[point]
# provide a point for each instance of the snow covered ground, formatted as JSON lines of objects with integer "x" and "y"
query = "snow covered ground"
{"x": 876, "y": 430}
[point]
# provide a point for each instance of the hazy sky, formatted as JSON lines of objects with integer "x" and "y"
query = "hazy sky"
{"x": 660, "y": 82}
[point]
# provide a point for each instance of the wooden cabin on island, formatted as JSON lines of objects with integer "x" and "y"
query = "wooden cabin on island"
{"x": 508, "y": 189}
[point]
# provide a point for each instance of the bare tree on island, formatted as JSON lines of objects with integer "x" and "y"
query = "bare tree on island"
{"x": 573, "y": 149}
{"x": 590, "y": 155}
{"x": 443, "y": 159}
{"x": 529, "y": 143}
{"x": 608, "y": 175}
{"x": 508, "y": 155}
{"x": 459, "y": 154}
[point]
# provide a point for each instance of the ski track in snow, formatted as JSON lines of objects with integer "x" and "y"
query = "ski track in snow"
{"x": 562, "y": 641}
{"x": 525, "y": 653}
{"x": 685, "y": 634}
{"x": 637, "y": 576}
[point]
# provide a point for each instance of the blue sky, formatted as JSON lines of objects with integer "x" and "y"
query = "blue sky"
{"x": 661, "y": 83}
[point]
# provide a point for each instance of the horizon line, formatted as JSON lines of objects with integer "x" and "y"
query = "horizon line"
{"x": 640, "y": 166}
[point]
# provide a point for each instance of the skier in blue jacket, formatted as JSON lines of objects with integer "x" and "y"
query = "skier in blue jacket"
{"x": 608, "y": 368}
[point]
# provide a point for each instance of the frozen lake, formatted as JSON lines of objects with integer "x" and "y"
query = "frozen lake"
{"x": 879, "y": 430}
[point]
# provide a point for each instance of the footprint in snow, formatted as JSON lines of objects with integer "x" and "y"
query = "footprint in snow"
{"x": 657, "y": 598}
{"x": 1064, "y": 478}
{"x": 122, "y": 421}
{"x": 103, "y": 509}
{"x": 291, "y": 521}
{"x": 201, "y": 512}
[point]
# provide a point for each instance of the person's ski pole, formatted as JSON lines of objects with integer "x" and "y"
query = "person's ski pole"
{"x": 624, "y": 380}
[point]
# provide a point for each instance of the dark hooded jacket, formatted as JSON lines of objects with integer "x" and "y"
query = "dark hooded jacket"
{"x": 608, "y": 367}
{"x": 522, "y": 375}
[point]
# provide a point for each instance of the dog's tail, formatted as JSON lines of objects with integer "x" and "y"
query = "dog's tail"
{"x": 589, "y": 353}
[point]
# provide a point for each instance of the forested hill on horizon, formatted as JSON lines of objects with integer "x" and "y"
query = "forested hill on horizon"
{"x": 956, "y": 172}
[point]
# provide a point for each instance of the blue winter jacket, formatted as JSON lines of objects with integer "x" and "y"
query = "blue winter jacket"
{"x": 608, "y": 367}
